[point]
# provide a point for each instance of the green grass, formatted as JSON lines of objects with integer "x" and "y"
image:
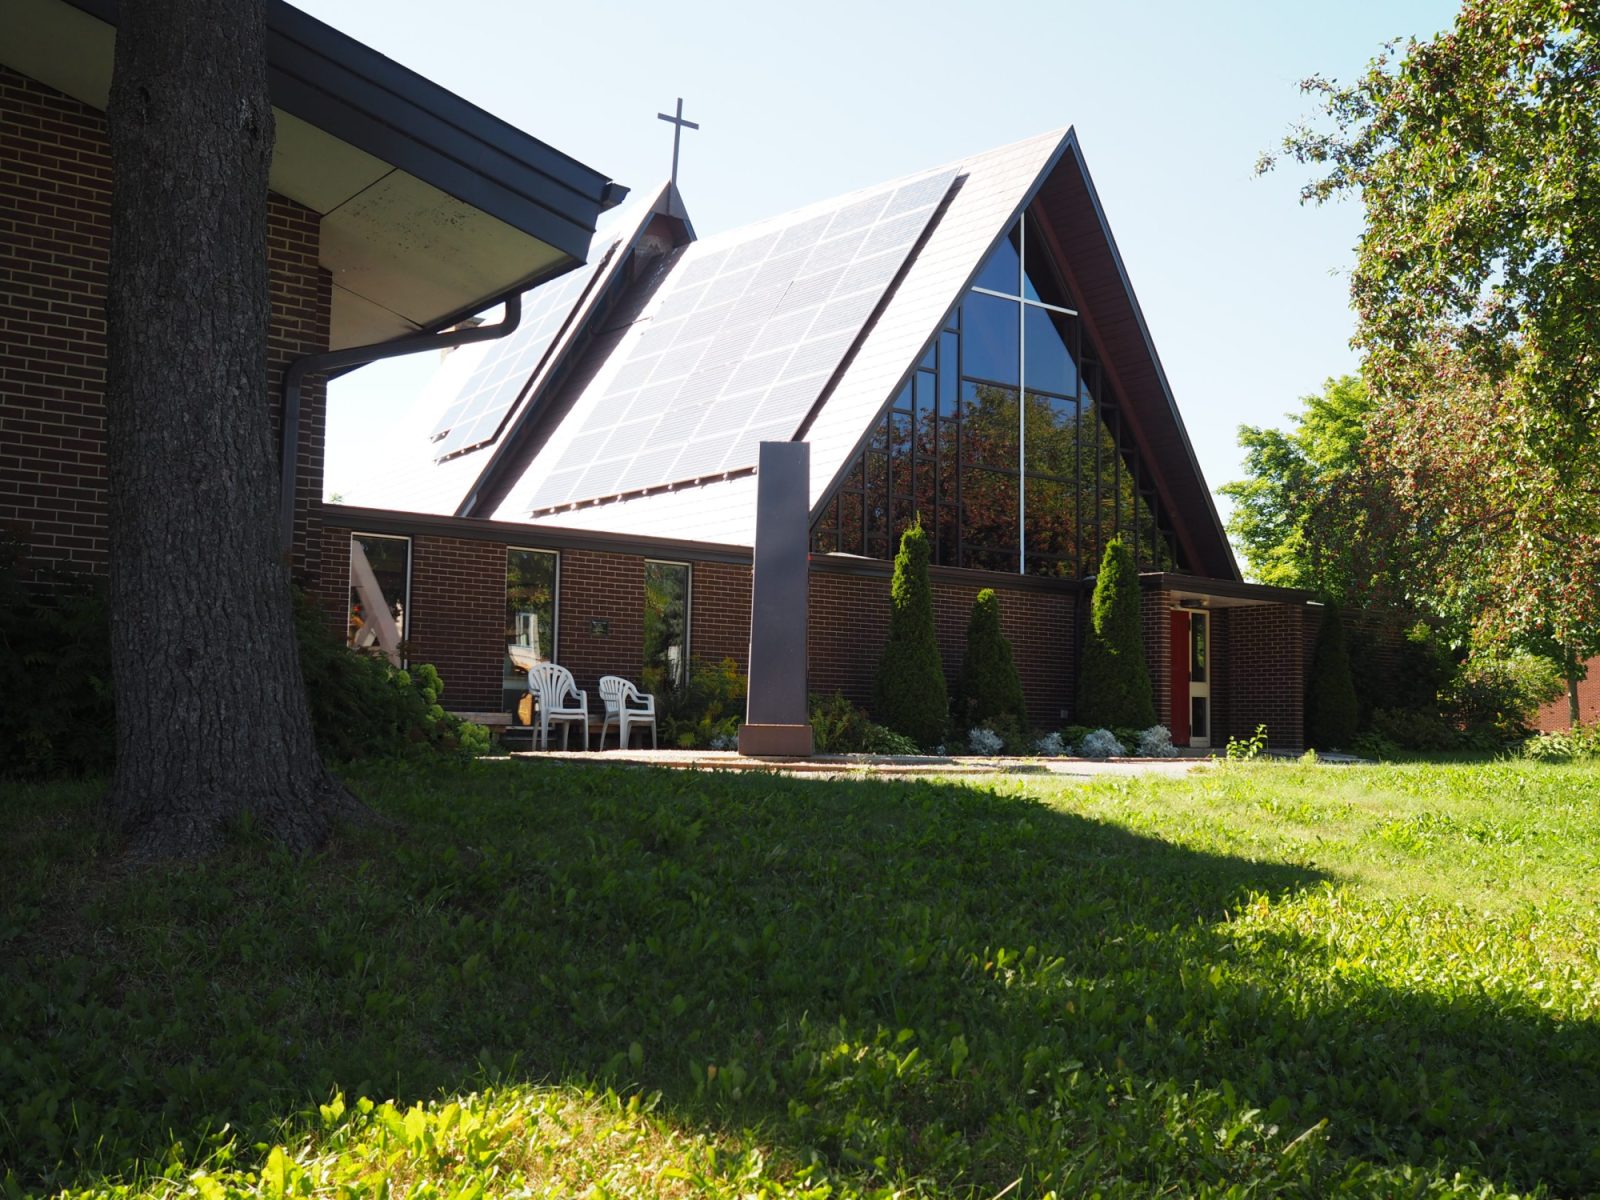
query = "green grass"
{"x": 1266, "y": 979}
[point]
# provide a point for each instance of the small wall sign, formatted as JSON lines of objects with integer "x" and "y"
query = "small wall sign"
{"x": 599, "y": 628}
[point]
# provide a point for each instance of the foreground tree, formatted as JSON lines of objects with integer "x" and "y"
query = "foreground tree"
{"x": 1114, "y": 679}
{"x": 212, "y": 721}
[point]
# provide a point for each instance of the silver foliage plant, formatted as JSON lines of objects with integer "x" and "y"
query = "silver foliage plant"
{"x": 1102, "y": 743}
{"x": 984, "y": 741}
{"x": 1050, "y": 746}
{"x": 1156, "y": 742}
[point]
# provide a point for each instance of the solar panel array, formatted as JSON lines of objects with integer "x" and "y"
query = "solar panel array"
{"x": 475, "y": 417}
{"x": 740, "y": 347}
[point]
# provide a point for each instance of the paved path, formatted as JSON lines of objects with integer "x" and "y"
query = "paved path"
{"x": 879, "y": 765}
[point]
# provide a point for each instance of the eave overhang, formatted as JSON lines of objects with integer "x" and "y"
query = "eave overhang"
{"x": 1077, "y": 224}
{"x": 431, "y": 208}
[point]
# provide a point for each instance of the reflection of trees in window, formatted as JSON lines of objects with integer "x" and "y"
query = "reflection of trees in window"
{"x": 666, "y": 627}
{"x": 1042, "y": 489}
{"x": 530, "y": 616}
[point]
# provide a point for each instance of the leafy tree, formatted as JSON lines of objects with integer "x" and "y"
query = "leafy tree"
{"x": 1113, "y": 679}
{"x": 1476, "y": 155}
{"x": 1330, "y": 691}
{"x": 911, "y": 697}
{"x": 1304, "y": 513}
{"x": 990, "y": 687}
{"x": 211, "y": 712}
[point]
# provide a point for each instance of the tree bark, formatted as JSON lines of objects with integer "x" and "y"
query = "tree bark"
{"x": 212, "y": 721}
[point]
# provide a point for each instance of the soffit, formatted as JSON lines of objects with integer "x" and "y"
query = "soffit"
{"x": 406, "y": 254}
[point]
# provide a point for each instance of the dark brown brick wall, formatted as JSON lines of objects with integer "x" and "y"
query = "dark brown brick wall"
{"x": 1156, "y": 622}
{"x": 55, "y": 184}
{"x": 1264, "y": 674}
{"x": 849, "y": 624}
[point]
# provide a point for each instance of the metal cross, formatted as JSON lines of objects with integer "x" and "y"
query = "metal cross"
{"x": 678, "y": 126}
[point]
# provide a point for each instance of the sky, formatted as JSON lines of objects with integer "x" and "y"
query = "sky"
{"x": 1244, "y": 289}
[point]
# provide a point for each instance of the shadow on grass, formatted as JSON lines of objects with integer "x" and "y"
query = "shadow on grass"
{"x": 900, "y": 979}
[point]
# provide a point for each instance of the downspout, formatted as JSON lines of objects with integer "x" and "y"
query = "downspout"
{"x": 355, "y": 356}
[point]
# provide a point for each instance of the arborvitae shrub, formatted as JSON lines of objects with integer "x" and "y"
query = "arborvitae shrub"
{"x": 910, "y": 694}
{"x": 1113, "y": 679}
{"x": 990, "y": 687}
{"x": 1330, "y": 693}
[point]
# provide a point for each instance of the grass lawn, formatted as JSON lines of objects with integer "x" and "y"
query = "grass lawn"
{"x": 544, "y": 980}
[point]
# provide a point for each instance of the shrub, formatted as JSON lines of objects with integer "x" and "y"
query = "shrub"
{"x": 839, "y": 727}
{"x": 1050, "y": 746}
{"x": 1102, "y": 743}
{"x": 1330, "y": 693}
{"x": 1113, "y": 681}
{"x": 55, "y": 658}
{"x": 1155, "y": 742}
{"x": 711, "y": 707}
{"x": 1413, "y": 729}
{"x": 984, "y": 741}
{"x": 362, "y": 707}
{"x": 990, "y": 686}
{"x": 911, "y": 697}
{"x": 1566, "y": 745}
{"x": 1497, "y": 694}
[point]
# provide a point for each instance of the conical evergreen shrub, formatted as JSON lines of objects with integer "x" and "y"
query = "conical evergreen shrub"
{"x": 1331, "y": 709}
{"x": 990, "y": 687}
{"x": 911, "y": 697}
{"x": 1113, "y": 679}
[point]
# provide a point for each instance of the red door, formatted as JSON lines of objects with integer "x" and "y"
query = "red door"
{"x": 1179, "y": 651}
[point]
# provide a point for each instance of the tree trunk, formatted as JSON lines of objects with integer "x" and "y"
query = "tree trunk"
{"x": 1572, "y": 698}
{"x": 212, "y": 722}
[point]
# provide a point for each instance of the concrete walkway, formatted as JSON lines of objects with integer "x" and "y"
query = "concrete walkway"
{"x": 876, "y": 765}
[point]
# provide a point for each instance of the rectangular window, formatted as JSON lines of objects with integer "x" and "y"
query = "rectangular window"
{"x": 532, "y": 587}
{"x": 666, "y": 626}
{"x": 380, "y": 594}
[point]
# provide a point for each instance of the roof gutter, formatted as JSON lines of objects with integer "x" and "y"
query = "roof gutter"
{"x": 356, "y": 356}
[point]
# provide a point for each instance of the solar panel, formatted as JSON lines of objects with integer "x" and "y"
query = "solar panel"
{"x": 475, "y": 416}
{"x": 740, "y": 344}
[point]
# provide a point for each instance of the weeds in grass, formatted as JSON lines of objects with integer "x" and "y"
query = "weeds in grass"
{"x": 1270, "y": 979}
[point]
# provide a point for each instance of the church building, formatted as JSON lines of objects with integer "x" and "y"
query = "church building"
{"x": 962, "y": 346}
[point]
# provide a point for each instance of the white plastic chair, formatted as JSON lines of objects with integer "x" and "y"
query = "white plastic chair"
{"x": 559, "y": 700}
{"x": 626, "y": 707}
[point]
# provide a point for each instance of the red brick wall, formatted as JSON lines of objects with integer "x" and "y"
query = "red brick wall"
{"x": 1557, "y": 714}
{"x": 1265, "y": 674}
{"x": 1156, "y": 620}
{"x": 55, "y": 184}
{"x": 720, "y": 613}
{"x": 849, "y": 624}
{"x": 457, "y": 619}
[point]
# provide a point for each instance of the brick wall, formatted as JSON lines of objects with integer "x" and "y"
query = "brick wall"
{"x": 1155, "y": 613}
{"x": 55, "y": 185}
{"x": 1557, "y": 714}
{"x": 1265, "y": 674}
{"x": 849, "y": 624}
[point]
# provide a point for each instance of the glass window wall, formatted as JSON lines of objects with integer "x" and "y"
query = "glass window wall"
{"x": 1004, "y": 440}
{"x": 666, "y": 627}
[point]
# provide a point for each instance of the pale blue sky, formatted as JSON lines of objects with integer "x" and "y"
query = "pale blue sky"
{"x": 1244, "y": 290}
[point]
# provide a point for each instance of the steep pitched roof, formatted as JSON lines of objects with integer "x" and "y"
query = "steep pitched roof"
{"x": 570, "y": 479}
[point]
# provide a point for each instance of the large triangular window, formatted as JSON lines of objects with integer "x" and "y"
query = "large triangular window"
{"x": 1006, "y": 439}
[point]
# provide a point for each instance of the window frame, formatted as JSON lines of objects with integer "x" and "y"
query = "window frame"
{"x": 402, "y": 659}
{"x": 688, "y": 611}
